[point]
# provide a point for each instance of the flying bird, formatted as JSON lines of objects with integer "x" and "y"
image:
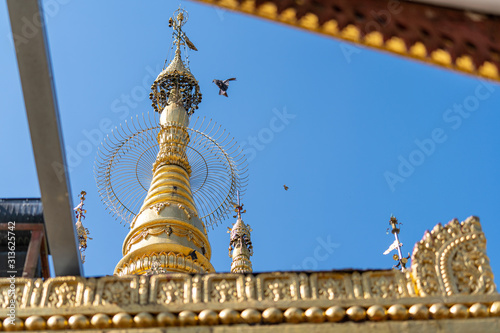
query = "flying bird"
{"x": 223, "y": 85}
{"x": 193, "y": 255}
{"x": 285, "y": 187}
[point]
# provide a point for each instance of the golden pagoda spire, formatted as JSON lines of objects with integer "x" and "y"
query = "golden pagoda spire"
{"x": 240, "y": 244}
{"x": 167, "y": 234}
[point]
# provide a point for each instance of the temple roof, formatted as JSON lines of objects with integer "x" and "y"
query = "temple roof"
{"x": 454, "y": 38}
{"x": 21, "y": 210}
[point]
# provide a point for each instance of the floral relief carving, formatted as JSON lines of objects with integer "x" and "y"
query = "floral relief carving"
{"x": 384, "y": 287}
{"x": 158, "y": 207}
{"x": 171, "y": 292}
{"x": 224, "y": 291}
{"x": 277, "y": 290}
{"x": 63, "y": 295}
{"x": 331, "y": 289}
{"x": 5, "y": 297}
{"x": 467, "y": 267}
{"x": 117, "y": 292}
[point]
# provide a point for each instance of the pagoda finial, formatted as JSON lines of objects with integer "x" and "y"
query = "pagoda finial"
{"x": 82, "y": 232}
{"x": 176, "y": 77}
{"x": 240, "y": 244}
{"x": 402, "y": 261}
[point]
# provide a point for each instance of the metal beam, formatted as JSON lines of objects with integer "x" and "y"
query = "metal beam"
{"x": 28, "y": 31}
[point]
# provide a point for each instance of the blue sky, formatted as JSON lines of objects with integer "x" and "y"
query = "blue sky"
{"x": 357, "y": 135}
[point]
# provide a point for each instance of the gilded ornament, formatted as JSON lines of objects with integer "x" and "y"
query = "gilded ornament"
{"x": 419, "y": 311}
{"x": 272, "y": 316}
{"x": 116, "y": 292}
{"x": 294, "y": 315}
{"x": 166, "y": 319}
{"x": 251, "y": 316}
{"x": 315, "y": 315}
{"x": 356, "y": 313}
{"x": 17, "y": 326}
{"x": 187, "y": 318}
{"x": 171, "y": 292}
{"x": 144, "y": 319}
{"x": 250, "y": 287}
{"x": 224, "y": 291}
{"x": 439, "y": 311}
{"x": 78, "y": 321}
{"x": 478, "y": 310}
{"x": 278, "y": 289}
{"x": 158, "y": 207}
{"x": 452, "y": 260}
{"x": 122, "y": 320}
{"x": 495, "y": 309}
{"x": 63, "y": 295}
{"x": 35, "y": 323}
{"x": 335, "y": 313}
{"x": 100, "y": 320}
{"x": 376, "y": 313}
{"x": 57, "y": 323}
{"x": 229, "y": 316}
{"x": 459, "y": 311}
{"x": 384, "y": 287}
{"x": 397, "y": 312}
{"x": 208, "y": 317}
{"x": 331, "y": 288}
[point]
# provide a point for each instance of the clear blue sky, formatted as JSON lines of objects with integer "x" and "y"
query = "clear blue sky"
{"x": 354, "y": 117}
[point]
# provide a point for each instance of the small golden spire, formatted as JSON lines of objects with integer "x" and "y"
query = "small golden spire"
{"x": 83, "y": 233}
{"x": 402, "y": 261}
{"x": 240, "y": 244}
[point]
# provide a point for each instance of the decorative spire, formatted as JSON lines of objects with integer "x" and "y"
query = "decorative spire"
{"x": 167, "y": 234}
{"x": 176, "y": 83}
{"x": 402, "y": 261}
{"x": 240, "y": 244}
{"x": 83, "y": 233}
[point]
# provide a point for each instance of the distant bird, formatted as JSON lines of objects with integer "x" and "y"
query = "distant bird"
{"x": 285, "y": 187}
{"x": 223, "y": 85}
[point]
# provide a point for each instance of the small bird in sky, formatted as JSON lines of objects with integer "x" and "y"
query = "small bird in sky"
{"x": 223, "y": 85}
{"x": 285, "y": 187}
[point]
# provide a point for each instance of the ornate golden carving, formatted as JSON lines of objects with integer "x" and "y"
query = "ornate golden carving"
{"x": 63, "y": 292}
{"x": 452, "y": 260}
{"x": 122, "y": 292}
{"x": 168, "y": 229}
{"x": 158, "y": 207}
{"x": 63, "y": 295}
{"x": 224, "y": 291}
{"x": 331, "y": 289}
{"x": 22, "y": 292}
{"x": 383, "y": 284}
{"x": 170, "y": 289}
